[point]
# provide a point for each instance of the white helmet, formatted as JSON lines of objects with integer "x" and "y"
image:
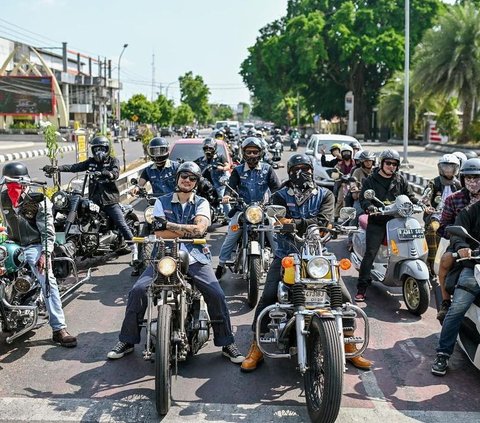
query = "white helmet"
{"x": 462, "y": 157}
{"x": 448, "y": 165}
{"x": 357, "y": 155}
{"x": 346, "y": 147}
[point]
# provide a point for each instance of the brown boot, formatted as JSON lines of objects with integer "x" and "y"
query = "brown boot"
{"x": 63, "y": 338}
{"x": 253, "y": 359}
{"x": 359, "y": 362}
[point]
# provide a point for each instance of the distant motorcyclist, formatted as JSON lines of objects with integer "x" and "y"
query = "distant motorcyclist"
{"x": 306, "y": 204}
{"x": 366, "y": 161}
{"x": 388, "y": 184}
{"x": 345, "y": 166}
{"x": 335, "y": 152}
{"x": 252, "y": 180}
{"x": 356, "y": 147}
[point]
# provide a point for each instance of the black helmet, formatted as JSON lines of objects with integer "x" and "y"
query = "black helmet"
{"x": 100, "y": 148}
{"x": 209, "y": 143}
{"x": 15, "y": 170}
{"x": 366, "y": 155}
{"x": 189, "y": 167}
{"x": 355, "y": 144}
{"x": 389, "y": 154}
{"x": 299, "y": 159}
{"x": 158, "y": 150}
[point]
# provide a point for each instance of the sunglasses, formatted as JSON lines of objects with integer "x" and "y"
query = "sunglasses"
{"x": 389, "y": 163}
{"x": 302, "y": 168}
{"x": 208, "y": 149}
{"x": 191, "y": 178}
{"x": 251, "y": 153}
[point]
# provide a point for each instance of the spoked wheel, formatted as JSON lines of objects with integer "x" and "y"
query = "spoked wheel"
{"x": 254, "y": 275}
{"x": 324, "y": 377}
{"x": 416, "y": 295}
{"x": 163, "y": 360}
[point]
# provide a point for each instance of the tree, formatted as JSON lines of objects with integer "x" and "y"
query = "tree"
{"x": 221, "y": 112}
{"x": 166, "y": 109}
{"x": 448, "y": 60}
{"x": 183, "y": 115}
{"x": 195, "y": 92}
{"x": 139, "y": 106}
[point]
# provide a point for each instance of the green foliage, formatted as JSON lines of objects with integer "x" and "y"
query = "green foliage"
{"x": 221, "y": 112}
{"x": 448, "y": 121}
{"x": 50, "y": 137}
{"x": 166, "y": 110}
{"x": 474, "y": 131}
{"x": 139, "y": 106}
{"x": 183, "y": 115}
{"x": 23, "y": 125}
{"x": 194, "y": 93}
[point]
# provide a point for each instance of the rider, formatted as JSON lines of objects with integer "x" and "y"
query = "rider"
{"x": 102, "y": 189}
{"x": 366, "y": 161}
{"x": 30, "y": 225}
{"x": 467, "y": 288}
{"x": 440, "y": 187}
{"x": 251, "y": 179}
{"x": 161, "y": 174}
{"x": 306, "y": 204}
{"x": 454, "y": 204}
{"x": 335, "y": 152}
{"x": 182, "y": 214}
{"x": 388, "y": 184}
{"x": 356, "y": 147}
{"x": 345, "y": 166}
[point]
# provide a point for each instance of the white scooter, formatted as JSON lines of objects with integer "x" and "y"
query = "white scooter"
{"x": 401, "y": 259}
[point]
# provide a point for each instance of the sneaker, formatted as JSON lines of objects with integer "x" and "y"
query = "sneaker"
{"x": 440, "y": 365}
{"x": 360, "y": 297}
{"x": 233, "y": 353}
{"x": 119, "y": 350}
{"x": 220, "y": 271}
{"x": 443, "y": 310}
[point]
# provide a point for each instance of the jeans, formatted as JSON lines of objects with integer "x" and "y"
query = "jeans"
{"x": 115, "y": 213}
{"x": 232, "y": 238}
{"x": 269, "y": 295}
{"x": 374, "y": 237}
{"x": 204, "y": 279}
{"x": 465, "y": 293}
{"x": 53, "y": 303}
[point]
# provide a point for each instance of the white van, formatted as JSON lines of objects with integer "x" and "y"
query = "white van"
{"x": 233, "y": 124}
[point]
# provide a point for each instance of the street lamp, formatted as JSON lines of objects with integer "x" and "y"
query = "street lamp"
{"x": 406, "y": 91}
{"x": 118, "y": 93}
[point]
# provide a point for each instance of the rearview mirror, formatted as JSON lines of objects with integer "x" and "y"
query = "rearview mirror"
{"x": 276, "y": 211}
{"x": 369, "y": 194}
{"x": 347, "y": 213}
{"x": 309, "y": 152}
{"x": 459, "y": 231}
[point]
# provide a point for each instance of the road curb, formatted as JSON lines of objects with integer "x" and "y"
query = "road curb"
{"x": 417, "y": 182}
{"x": 32, "y": 153}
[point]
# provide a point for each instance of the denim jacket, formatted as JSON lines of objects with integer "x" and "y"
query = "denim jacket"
{"x": 216, "y": 174}
{"x": 252, "y": 184}
{"x": 161, "y": 180}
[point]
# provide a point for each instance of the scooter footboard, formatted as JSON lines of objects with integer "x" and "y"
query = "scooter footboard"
{"x": 354, "y": 312}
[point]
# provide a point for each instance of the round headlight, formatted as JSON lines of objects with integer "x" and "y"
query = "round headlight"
{"x": 60, "y": 200}
{"x": 167, "y": 266}
{"x": 3, "y": 254}
{"x": 148, "y": 215}
{"x": 254, "y": 214}
{"x": 318, "y": 267}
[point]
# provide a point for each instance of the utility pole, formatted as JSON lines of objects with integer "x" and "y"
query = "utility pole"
{"x": 406, "y": 92}
{"x": 298, "y": 110}
{"x": 153, "y": 77}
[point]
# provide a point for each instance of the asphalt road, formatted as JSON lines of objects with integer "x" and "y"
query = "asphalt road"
{"x": 42, "y": 382}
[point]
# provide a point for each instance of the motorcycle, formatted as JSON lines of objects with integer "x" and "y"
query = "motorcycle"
{"x": 79, "y": 219}
{"x": 294, "y": 139}
{"x": 275, "y": 150}
{"x": 182, "y": 324}
{"x": 251, "y": 257}
{"x": 469, "y": 335}
{"x": 207, "y": 191}
{"x": 307, "y": 320}
{"x": 401, "y": 259}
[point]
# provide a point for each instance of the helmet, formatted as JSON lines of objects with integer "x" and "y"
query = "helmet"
{"x": 188, "y": 167}
{"x": 346, "y": 147}
{"x": 366, "y": 155}
{"x": 355, "y": 144}
{"x": 471, "y": 154}
{"x": 158, "y": 150}
{"x": 335, "y": 146}
{"x": 461, "y": 156}
{"x": 100, "y": 148}
{"x": 15, "y": 170}
{"x": 448, "y": 165}
{"x": 471, "y": 167}
{"x": 298, "y": 159}
{"x": 219, "y": 135}
{"x": 357, "y": 155}
{"x": 252, "y": 142}
{"x": 258, "y": 134}
{"x": 389, "y": 154}
{"x": 189, "y": 133}
{"x": 209, "y": 143}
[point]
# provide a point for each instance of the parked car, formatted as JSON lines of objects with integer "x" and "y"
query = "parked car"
{"x": 190, "y": 149}
{"x": 166, "y": 132}
{"x": 315, "y": 145}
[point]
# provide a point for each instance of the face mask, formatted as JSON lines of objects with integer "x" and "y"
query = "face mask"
{"x": 302, "y": 180}
{"x": 209, "y": 154}
{"x": 14, "y": 191}
{"x": 346, "y": 156}
{"x": 252, "y": 161}
{"x": 100, "y": 156}
{"x": 472, "y": 185}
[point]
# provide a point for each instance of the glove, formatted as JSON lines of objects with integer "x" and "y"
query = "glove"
{"x": 49, "y": 168}
{"x": 160, "y": 224}
{"x": 372, "y": 209}
{"x": 107, "y": 174}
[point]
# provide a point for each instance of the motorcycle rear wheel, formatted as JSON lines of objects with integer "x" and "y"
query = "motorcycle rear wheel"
{"x": 324, "y": 377}
{"x": 416, "y": 295}
{"x": 254, "y": 275}
{"x": 163, "y": 360}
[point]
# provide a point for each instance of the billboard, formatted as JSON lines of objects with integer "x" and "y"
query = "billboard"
{"x": 26, "y": 95}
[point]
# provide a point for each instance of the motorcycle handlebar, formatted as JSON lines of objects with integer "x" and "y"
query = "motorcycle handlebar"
{"x": 153, "y": 240}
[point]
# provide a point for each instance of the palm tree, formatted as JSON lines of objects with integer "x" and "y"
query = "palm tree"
{"x": 447, "y": 61}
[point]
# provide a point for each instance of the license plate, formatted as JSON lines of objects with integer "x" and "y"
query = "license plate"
{"x": 404, "y": 233}
{"x": 315, "y": 296}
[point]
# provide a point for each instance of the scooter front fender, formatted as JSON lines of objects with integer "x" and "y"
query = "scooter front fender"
{"x": 415, "y": 268}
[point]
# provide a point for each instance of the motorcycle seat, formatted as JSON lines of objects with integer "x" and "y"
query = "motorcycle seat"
{"x": 363, "y": 221}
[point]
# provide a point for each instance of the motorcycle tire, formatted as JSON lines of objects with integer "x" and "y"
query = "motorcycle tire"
{"x": 163, "y": 360}
{"x": 254, "y": 275}
{"x": 416, "y": 295}
{"x": 324, "y": 376}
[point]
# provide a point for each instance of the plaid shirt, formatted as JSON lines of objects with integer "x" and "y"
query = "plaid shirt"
{"x": 454, "y": 204}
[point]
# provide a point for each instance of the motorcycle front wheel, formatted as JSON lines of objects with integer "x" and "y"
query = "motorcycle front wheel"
{"x": 324, "y": 377}
{"x": 254, "y": 275}
{"x": 416, "y": 295}
{"x": 163, "y": 360}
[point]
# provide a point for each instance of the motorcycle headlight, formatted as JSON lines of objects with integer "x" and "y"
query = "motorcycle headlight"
{"x": 254, "y": 214}
{"x": 60, "y": 200}
{"x": 167, "y": 266}
{"x": 3, "y": 254}
{"x": 318, "y": 267}
{"x": 148, "y": 215}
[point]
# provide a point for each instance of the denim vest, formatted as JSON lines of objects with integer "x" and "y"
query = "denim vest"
{"x": 216, "y": 174}
{"x": 253, "y": 182}
{"x": 307, "y": 210}
{"x": 162, "y": 180}
{"x": 174, "y": 213}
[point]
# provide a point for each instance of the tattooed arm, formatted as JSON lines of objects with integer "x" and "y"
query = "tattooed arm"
{"x": 195, "y": 230}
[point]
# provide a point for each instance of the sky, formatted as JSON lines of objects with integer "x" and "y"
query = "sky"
{"x": 208, "y": 37}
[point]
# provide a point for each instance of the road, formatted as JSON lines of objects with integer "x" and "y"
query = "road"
{"x": 43, "y": 382}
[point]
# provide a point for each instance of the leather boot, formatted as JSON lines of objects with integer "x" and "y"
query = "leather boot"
{"x": 359, "y": 362}
{"x": 63, "y": 338}
{"x": 253, "y": 359}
